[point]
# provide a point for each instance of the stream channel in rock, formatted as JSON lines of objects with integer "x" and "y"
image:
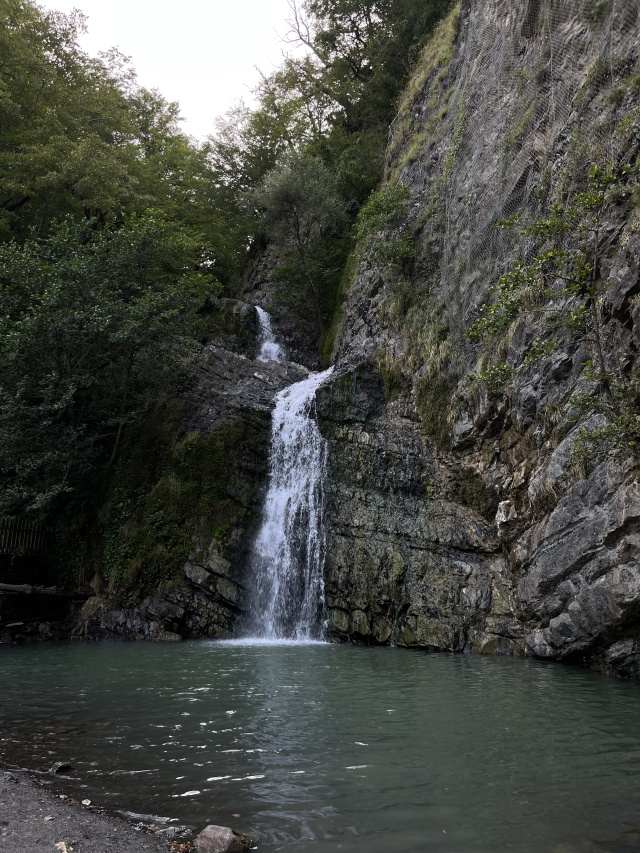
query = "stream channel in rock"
{"x": 314, "y": 747}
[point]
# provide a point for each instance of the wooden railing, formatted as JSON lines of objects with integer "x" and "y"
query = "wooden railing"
{"x": 22, "y": 537}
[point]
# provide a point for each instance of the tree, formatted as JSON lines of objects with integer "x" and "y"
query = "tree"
{"x": 301, "y": 204}
{"x": 92, "y": 324}
{"x": 79, "y": 137}
{"x": 64, "y": 123}
{"x": 335, "y": 98}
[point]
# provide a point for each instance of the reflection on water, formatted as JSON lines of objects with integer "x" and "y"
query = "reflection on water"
{"x": 325, "y": 748}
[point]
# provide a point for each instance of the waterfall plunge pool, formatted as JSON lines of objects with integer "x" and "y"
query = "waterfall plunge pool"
{"x": 324, "y": 748}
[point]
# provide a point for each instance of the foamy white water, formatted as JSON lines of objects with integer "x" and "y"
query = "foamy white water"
{"x": 288, "y": 553}
{"x": 270, "y": 349}
{"x": 267, "y": 642}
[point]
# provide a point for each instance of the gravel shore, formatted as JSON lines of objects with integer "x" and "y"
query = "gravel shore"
{"x": 33, "y": 820}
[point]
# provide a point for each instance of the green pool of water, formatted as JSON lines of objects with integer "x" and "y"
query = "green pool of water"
{"x": 324, "y": 748}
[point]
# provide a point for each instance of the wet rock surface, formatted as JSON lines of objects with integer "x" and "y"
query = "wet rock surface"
{"x": 580, "y": 568}
{"x": 221, "y": 839}
{"x": 230, "y": 384}
{"x": 406, "y": 563}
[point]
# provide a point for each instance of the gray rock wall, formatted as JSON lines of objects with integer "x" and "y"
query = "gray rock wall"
{"x": 407, "y": 563}
{"x": 492, "y": 541}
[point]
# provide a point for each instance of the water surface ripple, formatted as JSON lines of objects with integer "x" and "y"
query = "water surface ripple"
{"x": 334, "y": 748}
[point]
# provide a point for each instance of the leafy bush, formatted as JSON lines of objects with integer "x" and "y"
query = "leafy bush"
{"x": 381, "y": 226}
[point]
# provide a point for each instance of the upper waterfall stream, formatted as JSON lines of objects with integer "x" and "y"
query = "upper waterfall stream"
{"x": 270, "y": 349}
{"x": 288, "y": 587}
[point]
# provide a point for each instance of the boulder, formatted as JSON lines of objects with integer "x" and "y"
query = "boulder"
{"x": 221, "y": 839}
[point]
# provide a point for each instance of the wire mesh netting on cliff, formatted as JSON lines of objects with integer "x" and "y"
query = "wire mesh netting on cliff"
{"x": 536, "y": 91}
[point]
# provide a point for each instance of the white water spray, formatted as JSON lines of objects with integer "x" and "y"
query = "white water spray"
{"x": 288, "y": 553}
{"x": 270, "y": 349}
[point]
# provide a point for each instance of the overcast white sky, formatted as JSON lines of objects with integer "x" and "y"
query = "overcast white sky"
{"x": 201, "y": 53}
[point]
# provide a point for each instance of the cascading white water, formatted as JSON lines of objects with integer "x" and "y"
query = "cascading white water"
{"x": 270, "y": 349}
{"x": 289, "y": 549}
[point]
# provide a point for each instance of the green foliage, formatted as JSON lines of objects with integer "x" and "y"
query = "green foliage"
{"x": 151, "y": 517}
{"x": 60, "y": 113}
{"x": 336, "y": 288}
{"x": 621, "y": 429}
{"x": 336, "y": 100}
{"x": 300, "y": 202}
{"x": 498, "y": 374}
{"x": 385, "y": 208}
{"x": 312, "y": 151}
{"x": 80, "y": 138}
{"x": 302, "y": 212}
{"x": 515, "y": 136}
{"x": 381, "y": 226}
{"x": 595, "y": 11}
{"x": 494, "y": 376}
{"x": 564, "y": 271}
{"x": 308, "y": 284}
{"x": 114, "y": 228}
{"x": 359, "y": 51}
{"x": 394, "y": 381}
{"x": 408, "y": 136}
{"x": 91, "y": 324}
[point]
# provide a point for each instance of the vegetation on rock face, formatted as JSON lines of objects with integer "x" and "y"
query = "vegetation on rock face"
{"x": 412, "y": 130}
{"x": 561, "y": 291}
{"x": 156, "y": 515}
{"x": 384, "y": 215}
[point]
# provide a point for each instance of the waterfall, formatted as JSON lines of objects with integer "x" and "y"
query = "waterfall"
{"x": 270, "y": 350}
{"x": 288, "y": 553}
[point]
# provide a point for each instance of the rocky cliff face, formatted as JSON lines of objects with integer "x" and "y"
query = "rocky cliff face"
{"x": 408, "y": 561}
{"x": 457, "y": 517}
